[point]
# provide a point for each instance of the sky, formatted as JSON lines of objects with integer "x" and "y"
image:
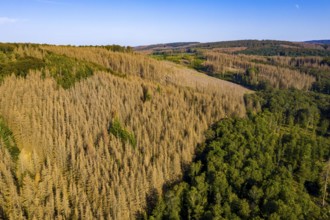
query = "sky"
{"x": 143, "y": 22}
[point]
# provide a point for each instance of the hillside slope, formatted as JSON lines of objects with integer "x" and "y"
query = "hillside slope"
{"x": 256, "y": 64}
{"x": 96, "y": 147}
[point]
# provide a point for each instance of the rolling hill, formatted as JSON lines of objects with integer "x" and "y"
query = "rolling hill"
{"x": 318, "y": 41}
{"x": 88, "y": 133}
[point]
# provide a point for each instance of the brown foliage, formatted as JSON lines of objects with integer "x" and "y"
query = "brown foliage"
{"x": 279, "y": 75}
{"x": 71, "y": 167}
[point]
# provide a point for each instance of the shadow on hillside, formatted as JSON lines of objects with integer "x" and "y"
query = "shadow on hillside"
{"x": 153, "y": 195}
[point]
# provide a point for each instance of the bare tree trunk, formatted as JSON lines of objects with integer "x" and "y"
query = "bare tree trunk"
{"x": 326, "y": 183}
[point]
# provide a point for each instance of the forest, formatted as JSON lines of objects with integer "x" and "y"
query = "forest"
{"x": 274, "y": 164}
{"x": 88, "y": 132}
{"x": 308, "y": 69}
{"x": 225, "y": 130}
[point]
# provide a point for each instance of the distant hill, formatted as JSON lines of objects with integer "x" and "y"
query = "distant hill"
{"x": 218, "y": 44}
{"x": 248, "y": 47}
{"x": 318, "y": 41}
{"x": 246, "y": 43}
{"x": 235, "y": 43}
{"x": 166, "y": 46}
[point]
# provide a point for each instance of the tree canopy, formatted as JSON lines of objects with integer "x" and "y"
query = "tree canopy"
{"x": 269, "y": 165}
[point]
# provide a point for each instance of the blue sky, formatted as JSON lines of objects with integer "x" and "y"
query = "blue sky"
{"x": 140, "y": 22}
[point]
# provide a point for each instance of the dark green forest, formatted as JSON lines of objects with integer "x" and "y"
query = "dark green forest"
{"x": 271, "y": 165}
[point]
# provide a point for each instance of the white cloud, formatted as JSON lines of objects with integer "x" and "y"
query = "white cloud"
{"x": 6, "y": 20}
